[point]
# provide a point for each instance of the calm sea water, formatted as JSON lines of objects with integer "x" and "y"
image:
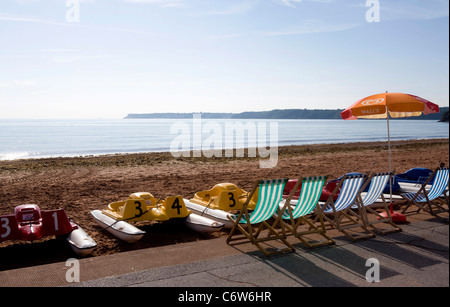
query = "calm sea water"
{"x": 21, "y": 139}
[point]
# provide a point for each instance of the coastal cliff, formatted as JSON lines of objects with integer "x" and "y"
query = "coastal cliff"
{"x": 278, "y": 114}
{"x": 445, "y": 117}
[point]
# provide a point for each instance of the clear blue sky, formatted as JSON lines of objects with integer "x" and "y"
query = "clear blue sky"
{"x": 142, "y": 56}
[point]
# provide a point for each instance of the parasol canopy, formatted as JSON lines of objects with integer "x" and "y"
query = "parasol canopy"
{"x": 396, "y": 104}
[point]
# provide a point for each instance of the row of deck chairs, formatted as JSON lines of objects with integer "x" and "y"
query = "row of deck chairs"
{"x": 346, "y": 213}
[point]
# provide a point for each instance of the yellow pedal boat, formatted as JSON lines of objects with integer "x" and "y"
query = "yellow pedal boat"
{"x": 143, "y": 206}
{"x": 220, "y": 201}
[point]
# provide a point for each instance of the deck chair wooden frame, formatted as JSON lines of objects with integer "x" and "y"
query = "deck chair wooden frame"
{"x": 338, "y": 213}
{"x": 430, "y": 201}
{"x": 378, "y": 183}
{"x": 296, "y": 216}
{"x": 270, "y": 195}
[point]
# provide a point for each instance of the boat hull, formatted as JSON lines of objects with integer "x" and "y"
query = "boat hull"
{"x": 214, "y": 214}
{"x": 119, "y": 229}
{"x": 408, "y": 187}
{"x": 80, "y": 242}
{"x": 202, "y": 224}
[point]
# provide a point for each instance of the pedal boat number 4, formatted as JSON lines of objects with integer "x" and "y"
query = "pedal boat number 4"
{"x": 219, "y": 202}
{"x": 29, "y": 223}
{"x": 143, "y": 206}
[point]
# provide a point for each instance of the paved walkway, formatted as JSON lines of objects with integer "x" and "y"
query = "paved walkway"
{"x": 417, "y": 256}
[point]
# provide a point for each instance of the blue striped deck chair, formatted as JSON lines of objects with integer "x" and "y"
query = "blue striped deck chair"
{"x": 431, "y": 201}
{"x": 378, "y": 183}
{"x": 295, "y": 216}
{"x": 335, "y": 212}
{"x": 270, "y": 195}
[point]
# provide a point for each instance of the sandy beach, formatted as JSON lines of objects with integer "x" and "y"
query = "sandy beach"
{"x": 82, "y": 184}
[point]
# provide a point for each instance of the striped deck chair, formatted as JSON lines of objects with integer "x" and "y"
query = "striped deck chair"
{"x": 270, "y": 195}
{"x": 297, "y": 215}
{"x": 377, "y": 185}
{"x": 430, "y": 201}
{"x": 340, "y": 209}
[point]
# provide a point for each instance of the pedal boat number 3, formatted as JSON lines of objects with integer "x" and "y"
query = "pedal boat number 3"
{"x": 143, "y": 206}
{"x": 219, "y": 202}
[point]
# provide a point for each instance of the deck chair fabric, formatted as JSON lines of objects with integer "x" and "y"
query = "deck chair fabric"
{"x": 308, "y": 199}
{"x": 350, "y": 189}
{"x": 307, "y": 202}
{"x": 270, "y": 195}
{"x": 269, "y": 192}
{"x": 429, "y": 200}
{"x": 378, "y": 183}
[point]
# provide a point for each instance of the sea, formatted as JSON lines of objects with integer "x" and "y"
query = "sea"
{"x": 28, "y": 139}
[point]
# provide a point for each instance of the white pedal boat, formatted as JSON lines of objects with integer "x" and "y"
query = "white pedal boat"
{"x": 80, "y": 242}
{"x": 387, "y": 197}
{"x": 409, "y": 187}
{"x": 217, "y": 215}
{"x": 131, "y": 234}
{"x": 120, "y": 229}
{"x": 218, "y": 203}
{"x": 202, "y": 224}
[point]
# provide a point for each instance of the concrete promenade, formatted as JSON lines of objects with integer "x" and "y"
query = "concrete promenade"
{"x": 417, "y": 256}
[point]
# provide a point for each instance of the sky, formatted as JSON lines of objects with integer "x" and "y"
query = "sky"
{"x": 108, "y": 58}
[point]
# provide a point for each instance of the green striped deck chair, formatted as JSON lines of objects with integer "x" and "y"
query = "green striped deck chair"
{"x": 434, "y": 200}
{"x": 295, "y": 216}
{"x": 270, "y": 195}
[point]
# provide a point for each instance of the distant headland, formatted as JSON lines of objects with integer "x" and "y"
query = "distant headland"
{"x": 275, "y": 114}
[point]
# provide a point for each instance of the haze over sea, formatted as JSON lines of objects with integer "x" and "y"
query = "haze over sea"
{"x": 24, "y": 139}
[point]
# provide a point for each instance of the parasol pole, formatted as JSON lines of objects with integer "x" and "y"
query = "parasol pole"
{"x": 389, "y": 150}
{"x": 395, "y": 216}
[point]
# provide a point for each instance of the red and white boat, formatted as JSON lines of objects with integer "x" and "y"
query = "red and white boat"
{"x": 30, "y": 223}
